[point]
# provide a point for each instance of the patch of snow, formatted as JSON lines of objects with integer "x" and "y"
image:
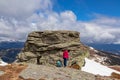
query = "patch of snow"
{"x": 2, "y": 63}
{"x": 96, "y": 68}
{"x": 96, "y": 51}
{"x": 101, "y": 59}
{"x": 91, "y": 48}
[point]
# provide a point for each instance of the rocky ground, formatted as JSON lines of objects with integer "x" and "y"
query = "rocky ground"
{"x": 40, "y": 72}
{"x": 115, "y": 67}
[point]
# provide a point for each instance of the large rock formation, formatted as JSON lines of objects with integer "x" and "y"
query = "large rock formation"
{"x": 46, "y": 47}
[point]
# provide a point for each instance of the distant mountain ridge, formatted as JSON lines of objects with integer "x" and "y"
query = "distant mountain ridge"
{"x": 9, "y": 50}
{"x": 8, "y": 45}
{"x": 104, "y": 58}
{"x": 110, "y": 48}
{"x": 9, "y": 55}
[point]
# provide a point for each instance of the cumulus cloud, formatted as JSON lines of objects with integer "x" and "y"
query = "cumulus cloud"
{"x": 20, "y": 17}
{"x": 102, "y": 29}
{"x": 22, "y": 8}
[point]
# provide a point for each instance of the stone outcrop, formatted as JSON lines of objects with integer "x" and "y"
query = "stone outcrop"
{"x": 46, "y": 47}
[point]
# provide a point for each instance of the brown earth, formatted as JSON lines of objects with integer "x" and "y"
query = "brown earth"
{"x": 115, "y": 67}
{"x": 12, "y": 71}
{"x": 115, "y": 75}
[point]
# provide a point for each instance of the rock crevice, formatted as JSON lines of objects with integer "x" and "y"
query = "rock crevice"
{"x": 46, "y": 47}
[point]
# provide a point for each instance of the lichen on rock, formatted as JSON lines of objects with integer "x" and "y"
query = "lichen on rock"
{"x": 46, "y": 47}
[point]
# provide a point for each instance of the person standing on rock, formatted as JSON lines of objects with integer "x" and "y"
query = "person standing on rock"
{"x": 65, "y": 57}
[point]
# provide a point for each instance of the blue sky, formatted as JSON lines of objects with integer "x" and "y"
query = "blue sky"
{"x": 98, "y": 21}
{"x": 85, "y": 9}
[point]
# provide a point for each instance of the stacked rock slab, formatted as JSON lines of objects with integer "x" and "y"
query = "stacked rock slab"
{"x": 46, "y": 47}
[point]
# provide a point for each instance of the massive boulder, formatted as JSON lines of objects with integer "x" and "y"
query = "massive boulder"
{"x": 46, "y": 47}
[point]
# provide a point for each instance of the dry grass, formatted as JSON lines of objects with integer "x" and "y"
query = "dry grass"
{"x": 115, "y": 75}
{"x": 75, "y": 66}
{"x": 42, "y": 79}
{"x": 12, "y": 72}
{"x": 115, "y": 68}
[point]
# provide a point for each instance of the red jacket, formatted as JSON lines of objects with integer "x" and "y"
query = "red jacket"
{"x": 65, "y": 54}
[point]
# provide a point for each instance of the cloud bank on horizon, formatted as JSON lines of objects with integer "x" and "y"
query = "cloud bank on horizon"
{"x": 20, "y": 17}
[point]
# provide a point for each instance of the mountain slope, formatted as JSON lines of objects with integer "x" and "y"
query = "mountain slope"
{"x": 24, "y": 71}
{"x": 9, "y": 50}
{"x": 103, "y": 57}
{"x": 96, "y": 68}
{"x": 8, "y": 45}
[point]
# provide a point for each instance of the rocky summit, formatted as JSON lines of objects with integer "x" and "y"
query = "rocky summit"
{"x": 46, "y": 47}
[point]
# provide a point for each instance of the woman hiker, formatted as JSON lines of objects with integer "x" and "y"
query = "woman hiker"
{"x": 65, "y": 57}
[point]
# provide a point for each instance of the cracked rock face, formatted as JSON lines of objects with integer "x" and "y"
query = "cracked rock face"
{"x": 46, "y": 47}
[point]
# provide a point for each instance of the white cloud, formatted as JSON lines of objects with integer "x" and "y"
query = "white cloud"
{"x": 22, "y": 8}
{"x": 20, "y": 19}
{"x": 68, "y": 16}
{"x": 101, "y": 19}
{"x": 99, "y": 33}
